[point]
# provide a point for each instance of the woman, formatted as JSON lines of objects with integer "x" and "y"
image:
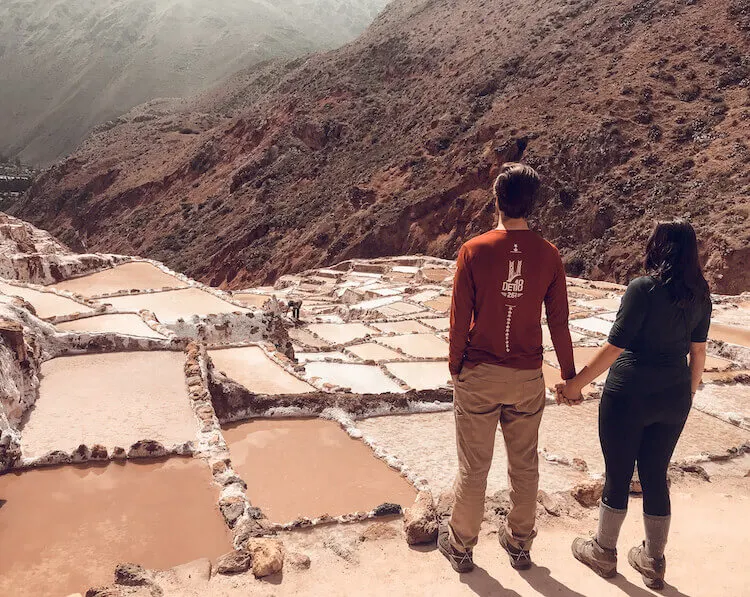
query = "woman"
{"x": 663, "y": 318}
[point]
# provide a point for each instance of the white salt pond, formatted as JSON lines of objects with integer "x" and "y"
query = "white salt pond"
{"x": 306, "y": 357}
{"x": 46, "y": 304}
{"x": 426, "y": 444}
{"x": 428, "y": 375}
{"x": 250, "y": 367}
{"x": 592, "y": 324}
{"x": 137, "y": 275}
{"x": 409, "y": 326}
{"x": 362, "y": 379}
{"x": 419, "y": 345}
{"x": 340, "y": 333}
{"x": 400, "y": 308}
{"x": 126, "y": 323}
{"x": 309, "y": 468}
{"x": 375, "y": 352}
{"x": 113, "y": 399}
{"x": 174, "y": 304}
{"x": 64, "y": 529}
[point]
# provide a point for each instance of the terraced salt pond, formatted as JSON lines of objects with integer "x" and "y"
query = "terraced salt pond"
{"x": 63, "y": 530}
{"x": 113, "y": 399}
{"x": 311, "y": 467}
{"x": 340, "y": 333}
{"x": 172, "y": 305}
{"x": 419, "y": 345}
{"x": 250, "y": 367}
{"x": 375, "y": 352}
{"x": 422, "y": 376}
{"x": 46, "y": 304}
{"x": 361, "y": 379}
{"x": 138, "y": 275}
{"x": 126, "y": 323}
{"x": 566, "y": 432}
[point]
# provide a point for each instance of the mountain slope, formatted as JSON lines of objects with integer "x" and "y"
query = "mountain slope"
{"x": 68, "y": 65}
{"x": 631, "y": 111}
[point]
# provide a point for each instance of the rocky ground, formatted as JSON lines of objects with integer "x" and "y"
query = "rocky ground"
{"x": 118, "y": 371}
{"x": 15, "y": 179}
{"x": 631, "y": 111}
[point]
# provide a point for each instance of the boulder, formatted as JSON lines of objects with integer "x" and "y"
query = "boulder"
{"x": 232, "y": 508}
{"x": 550, "y": 504}
{"x": 588, "y": 493}
{"x": 267, "y": 556}
{"x": 421, "y": 520}
{"x": 109, "y": 591}
{"x": 234, "y": 562}
{"x": 81, "y": 454}
{"x": 131, "y": 575}
{"x": 99, "y": 452}
{"x": 298, "y": 561}
{"x": 147, "y": 449}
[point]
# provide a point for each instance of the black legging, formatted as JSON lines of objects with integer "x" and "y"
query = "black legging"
{"x": 640, "y": 420}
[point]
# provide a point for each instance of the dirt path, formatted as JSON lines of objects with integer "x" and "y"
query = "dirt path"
{"x": 707, "y": 557}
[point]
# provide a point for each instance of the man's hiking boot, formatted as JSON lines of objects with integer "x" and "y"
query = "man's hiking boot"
{"x": 520, "y": 559}
{"x": 600, "y": 560}
{"x": 652, "y": 570}
{"x": 462, "y": 561}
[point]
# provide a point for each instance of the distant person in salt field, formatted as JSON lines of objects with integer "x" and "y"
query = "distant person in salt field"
{"x": 663, "y": 318}
{"x": 502, "y": 279}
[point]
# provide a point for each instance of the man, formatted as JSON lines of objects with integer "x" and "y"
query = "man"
{"x": 501, "y": 281}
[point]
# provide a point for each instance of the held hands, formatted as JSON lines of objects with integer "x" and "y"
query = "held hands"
{"x": 567, "y": 393}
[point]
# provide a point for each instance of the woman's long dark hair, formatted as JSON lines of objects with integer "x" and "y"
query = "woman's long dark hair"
{"x": 672, "y": 258}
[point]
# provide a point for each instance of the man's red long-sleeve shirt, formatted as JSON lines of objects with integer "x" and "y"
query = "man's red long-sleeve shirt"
{"x": 501, "y": 281}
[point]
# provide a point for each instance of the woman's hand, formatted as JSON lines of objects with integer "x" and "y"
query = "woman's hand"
{"x": 569, "y": 393}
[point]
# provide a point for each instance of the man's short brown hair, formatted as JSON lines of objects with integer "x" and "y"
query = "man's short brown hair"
{"x": 516, "y": 190}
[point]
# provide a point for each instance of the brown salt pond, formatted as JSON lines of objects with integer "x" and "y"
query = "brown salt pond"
{"x": 174, "y": 304}
{"x": 113, "y": 399}
{"x": 250, "y": 367}
{"x": 138, "y": 275}
{"x": 730, "y": 333}
{"x": 251, "y": 299}
{"x": 311, "y": 467}
{"x": 46, "y": 304}
{"x": 419, "y": 345}
{"x": 63, "y": 530}
{"x": 441, "y": 304}
{"x": 126, "y": 323}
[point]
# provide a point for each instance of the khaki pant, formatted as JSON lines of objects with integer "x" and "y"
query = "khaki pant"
{"x": 483, "y": 396}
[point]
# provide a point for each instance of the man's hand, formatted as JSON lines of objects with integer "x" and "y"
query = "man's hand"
{"x": 454, "y": 379}
{"x": 568, "y": 394}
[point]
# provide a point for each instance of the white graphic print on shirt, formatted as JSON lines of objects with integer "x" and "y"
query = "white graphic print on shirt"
{"x": 512, "y": 289}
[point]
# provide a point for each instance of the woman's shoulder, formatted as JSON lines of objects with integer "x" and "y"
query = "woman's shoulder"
{"x": 643, "y": 284}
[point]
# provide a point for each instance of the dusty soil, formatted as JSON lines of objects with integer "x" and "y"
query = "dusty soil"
{"x": 630, "y": 110}
{"x": 388, "y": 567}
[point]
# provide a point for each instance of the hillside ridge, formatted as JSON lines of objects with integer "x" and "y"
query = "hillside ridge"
{"x": 631, "y": 111}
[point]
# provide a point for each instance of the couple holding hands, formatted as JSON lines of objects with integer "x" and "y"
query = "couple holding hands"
{"x": 655, "y": 354}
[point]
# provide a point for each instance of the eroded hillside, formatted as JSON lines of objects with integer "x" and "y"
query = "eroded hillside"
{"x": 632, "y": 111}
{"x": 69, "y": 65}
